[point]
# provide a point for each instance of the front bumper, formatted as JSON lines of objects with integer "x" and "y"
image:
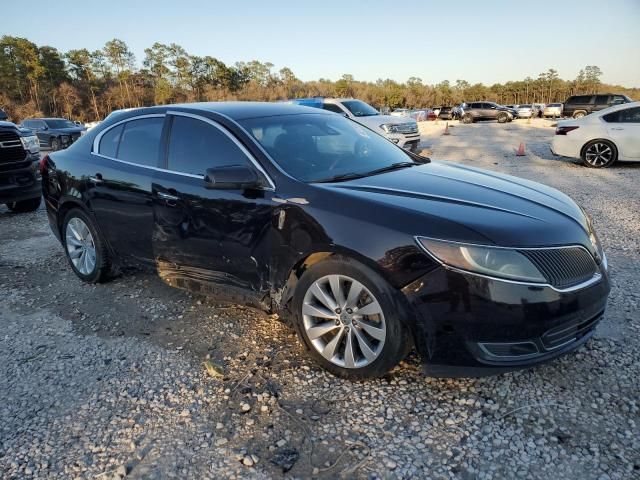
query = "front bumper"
{"x": 467, "y": 325}
{"x": 21, "y": 183}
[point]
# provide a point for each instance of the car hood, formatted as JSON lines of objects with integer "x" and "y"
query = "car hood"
{"x": 68, "y": 129}
{"x": 374, "y": 121}
{"x": 461, "y": 203}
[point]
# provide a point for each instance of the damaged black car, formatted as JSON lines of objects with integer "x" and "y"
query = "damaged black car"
{"x": 366, "y": 249}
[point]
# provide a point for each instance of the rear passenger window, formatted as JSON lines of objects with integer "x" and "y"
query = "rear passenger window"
{"x": 140, "y": 142}
{"x": 332, "y": 108}
{"x": 195, "y": 145}
{"x": 580, "y": 99}
{"x": 602, "y": 99}
{"x": 109, "y": 142}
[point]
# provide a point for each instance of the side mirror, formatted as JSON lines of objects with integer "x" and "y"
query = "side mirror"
{"x": 231, "y": 177}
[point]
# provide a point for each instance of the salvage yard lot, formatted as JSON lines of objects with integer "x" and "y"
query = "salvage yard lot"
{"x": 109, "y": 379}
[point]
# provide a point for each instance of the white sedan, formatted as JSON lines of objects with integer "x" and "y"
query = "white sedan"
{"x": 601, "y": 138}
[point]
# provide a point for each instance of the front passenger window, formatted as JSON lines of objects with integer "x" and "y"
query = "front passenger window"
{"x": 195, "y": 146}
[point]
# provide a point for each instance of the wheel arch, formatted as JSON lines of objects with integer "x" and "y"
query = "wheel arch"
{"x": 281, "y": 295}
{"x": 69, "y": 203}
{"x": 600, "y": 139}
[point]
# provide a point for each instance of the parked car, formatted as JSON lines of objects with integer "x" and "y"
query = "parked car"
{"x": 20, "y": 186}
{"x": 525, "y": 111}
{"x": 399, "y": 130}
{"x": 401, "y": 112}
{"x": 577, "y": 106}
{"x": 365, "y": 248}
{"x": 553, "y": 110}
{"x": 54, "y": 133}
{"x": 602, "y": 138}
{"x": 476, "y": 111}
{"x": 537, "y": 109}
{"x": 446, "y": 113}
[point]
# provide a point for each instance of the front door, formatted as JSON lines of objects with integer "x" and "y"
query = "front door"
{"x": 210, "y": 240}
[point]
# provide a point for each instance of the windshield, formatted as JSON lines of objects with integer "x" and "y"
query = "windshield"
{"x": 316, "y": 147}
{"x": 60, "y": 123}
{"x": 360, "y": 109}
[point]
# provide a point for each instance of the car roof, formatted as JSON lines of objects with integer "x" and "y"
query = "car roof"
{"x": 239, "y": 110}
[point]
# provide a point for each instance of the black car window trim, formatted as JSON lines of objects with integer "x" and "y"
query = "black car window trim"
{"x": 96, "y": 145}
{"x": 241, "y": 147}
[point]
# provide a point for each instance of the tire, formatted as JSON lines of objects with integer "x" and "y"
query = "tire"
{"x": 380, "y": 339}
{"x": 90, "y": 272}
{"x": 599, "y": 154}
{"x": 468, "y": 118}
{"x": 24, "y": 206}
{"x": 579, "y": 114}
{"x": 503, "y": 118}
{"x": 55, "y": 144}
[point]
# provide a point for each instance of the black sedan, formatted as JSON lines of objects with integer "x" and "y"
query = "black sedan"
{"x": 364, "y": 248}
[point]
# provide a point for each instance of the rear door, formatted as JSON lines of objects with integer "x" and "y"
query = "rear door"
{"x": 125, "y": 158}
{"x": 623, "y": 127}
{"x": 210, "y": 240}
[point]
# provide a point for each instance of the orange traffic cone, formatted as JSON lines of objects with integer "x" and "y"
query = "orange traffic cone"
{"x": 446, "y": 129}
{"x": 520, "y": 152}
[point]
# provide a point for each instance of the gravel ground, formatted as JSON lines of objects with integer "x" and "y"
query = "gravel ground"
{"x": 108, "y": 381}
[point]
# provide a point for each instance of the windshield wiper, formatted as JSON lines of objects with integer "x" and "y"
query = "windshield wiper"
{"x": 342, "y": 177}
{"x": 393, "y": 166}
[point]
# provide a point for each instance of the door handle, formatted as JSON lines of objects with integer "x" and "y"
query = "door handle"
{"x": 97, "y": 178}
{"x": 169, "y": 200}
{"x": 168, "y": 196}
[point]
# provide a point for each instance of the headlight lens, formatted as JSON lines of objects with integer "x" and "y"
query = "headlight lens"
{"x": 31, "y": 143}
{"x": 495, "y": 262}
{"x": 389, "y": 128}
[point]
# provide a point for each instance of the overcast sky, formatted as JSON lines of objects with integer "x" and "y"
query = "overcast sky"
{"x": 479, "y": 41}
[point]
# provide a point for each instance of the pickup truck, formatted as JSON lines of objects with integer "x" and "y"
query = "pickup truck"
{"x": 20, "y": 180}
{"x": 402, "y": 131}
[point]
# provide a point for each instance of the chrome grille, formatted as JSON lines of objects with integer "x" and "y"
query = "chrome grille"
{"x": 11, "y": 148}
{"x": 563, "y": 267}
{"x": 407, "y": 128}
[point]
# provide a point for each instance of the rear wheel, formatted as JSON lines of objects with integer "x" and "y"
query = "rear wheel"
{"x": 579, "y": 114}
{"x": 599, "y": 154}
{"x": 24, "y": 206}
{"x": 55, "y": 144}
{"x": 503, "y": 118}
{"x": 467, "y": 118}
{"x": 86, "y": 251}
{"x": 348, "y": 318}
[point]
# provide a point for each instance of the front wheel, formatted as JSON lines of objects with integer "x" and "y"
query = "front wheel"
{"x": 599, "y": 154}
{"x": 85, "y": 249}
{"x": 349, "y": 319}
{"x": 503, "y": 118}
{"x": 55, "y": 144}
{"x": 24, "y": 206}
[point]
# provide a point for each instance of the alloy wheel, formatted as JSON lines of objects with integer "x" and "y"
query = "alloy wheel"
{"x": 344, "y": 321}
{"x": 80, "y": 246}
{"x": 599, "y": 154}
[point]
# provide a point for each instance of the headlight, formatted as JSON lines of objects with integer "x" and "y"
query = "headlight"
{"x": 595, "y": 241}
{"x": 31, "y": 143}
{"x": 389, "y": 128}
{"x": 492, "y": 261}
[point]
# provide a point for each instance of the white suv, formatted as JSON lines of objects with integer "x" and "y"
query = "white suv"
{"x": 402, "y": 131}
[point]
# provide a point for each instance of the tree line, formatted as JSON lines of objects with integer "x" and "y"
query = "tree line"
{"x": 87, "y": 85}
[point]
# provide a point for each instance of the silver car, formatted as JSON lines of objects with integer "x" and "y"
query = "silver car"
{"x": 553, "y": 110}
{"x": 525, "y": 111}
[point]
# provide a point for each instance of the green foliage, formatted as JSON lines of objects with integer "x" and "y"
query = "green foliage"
{"x": 88, "y": 85}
